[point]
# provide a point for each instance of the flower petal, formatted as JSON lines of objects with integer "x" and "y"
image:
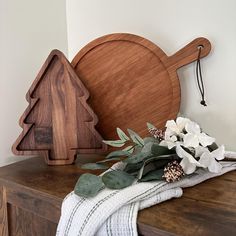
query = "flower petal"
{"x": 176, "y": 127}
{"x": 170, "y": 123}
{"x": 191, "y": 140}
{"x": 169, "y": 132}
{"x": 173, "y": 138}
{"x": 180, "y": 152}
{"x": 168, "y": 144}
{"x": 163, "y": 143}
{"x": 205, "y": 140}
{"x": 183, "y": 154}
{"x": 215, "y": 166}
{"x": 208, "y": 161}
{"x": 181, "y": 122}
{"x": 187, "y": 166}
{"x": 171, "y": 127}
{"x": 205, "y": 159}
{"x": 193, "y": 128}
{"x": 170, "y": 141}
{"x": 218, "y": 154}
{"x": 200, "y": 150}
{"x": 181, "y": 136}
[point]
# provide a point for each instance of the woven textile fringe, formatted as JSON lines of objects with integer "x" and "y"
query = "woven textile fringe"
{"x": 114, "y": 212}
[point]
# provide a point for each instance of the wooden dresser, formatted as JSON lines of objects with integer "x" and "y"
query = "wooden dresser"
{"x": 31, "y": 194}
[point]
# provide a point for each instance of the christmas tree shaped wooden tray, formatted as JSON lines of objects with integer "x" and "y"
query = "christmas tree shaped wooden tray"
{"x": 132, "y": 81}
{"x": 58, "y": 123}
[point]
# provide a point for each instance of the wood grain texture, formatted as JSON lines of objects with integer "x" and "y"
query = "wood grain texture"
{"x": 58, "y": 123}
{"x": 25, "y": 223}
{"x": 188, "y": 216}
{"x": 3, "y": 212}
{"x": 40, "y": 204}
{"x": 132, "y": 81}
{"x": 204, "y": 210}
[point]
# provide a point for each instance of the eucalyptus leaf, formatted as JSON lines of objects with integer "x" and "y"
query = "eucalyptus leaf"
{"x": 162, "y": 157}
{"x": 158, "y": 150}
{"x": 158, "y": 164}
{"x": 150, "y": 139}
{"x": 115, "y": 143}
{"x": 133, "y": 168}
{"x": 153, "y": 175}
{"x": 155, "y": 163}
{"x": 150, "y": 126}
{"x": 129, "y": 149}
{"x": 122, "y": 135}
{"x": 117, "y": 179}
{"x": 140, "y": 173}
{"x": 148, "y": 167}
{"x": 137, "y": 157}
{"x": 147, "y": 147}
{"x": 137, "y": 149}
{"x": 152, "y": 164}
{"x": 119, "y": 153}
{"x": 94, "y": 166}
{"x": 110, "y": 159}
{"x": 136, "y": 138}
{"x": 88, "y": 185}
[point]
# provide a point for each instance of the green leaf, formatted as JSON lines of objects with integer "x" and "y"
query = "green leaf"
{"x": 115, "y": 143}
{"x": 147, "y": 147}
{"x": 137, "y": 157}
{"x": 122, "y": 135}
{"x": 117, "y": 179}
{"x": 137, "y": 149}
{"x": 158, "y": 164}
{"x": 153, "y": 163}
{"x": 136, "y": 138}
{"x": 94, "y": 166}
{"x": 110, "y": 159}
{"x": 88, "y": 185}
{"x": 153, "y": 175}
{"x": 140, "y": 173}
{"x": 119, "y": 153}
{"x": 150, "y": 139}
{"x": 162, "y": 157}
{"x": 129, "y": 149}
{"x": 150, "y": 126}
{"x": 133, "y": 168}
{"x": 158, "y": 150}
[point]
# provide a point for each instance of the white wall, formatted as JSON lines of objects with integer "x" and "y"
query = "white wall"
{"x": 171, "y": 24}
{"x": 29, "y": 30}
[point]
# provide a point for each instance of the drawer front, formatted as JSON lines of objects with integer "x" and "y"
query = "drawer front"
{"x": 25, "y": 213}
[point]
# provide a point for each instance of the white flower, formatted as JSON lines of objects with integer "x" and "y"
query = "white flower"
{"x": 170, "y": 141}
{"x": 173, "y": 131}
{"x": 176, "y": 128}
{"x": 194, "y": 136}
{"x": 208, "y": 159}
{"x": 200, "y": 150}
{"x": 188, "y": 163}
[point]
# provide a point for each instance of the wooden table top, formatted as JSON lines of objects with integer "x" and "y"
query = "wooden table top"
{"x": 206, "y": 209}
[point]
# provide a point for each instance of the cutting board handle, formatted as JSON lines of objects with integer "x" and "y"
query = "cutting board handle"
{"x": 189, "y": 53}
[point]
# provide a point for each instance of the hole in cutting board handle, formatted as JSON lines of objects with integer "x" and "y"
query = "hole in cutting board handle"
{"x": 200, "y": 46}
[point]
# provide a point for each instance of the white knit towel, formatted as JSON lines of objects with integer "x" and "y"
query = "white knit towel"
{"x": 114, "y": 212}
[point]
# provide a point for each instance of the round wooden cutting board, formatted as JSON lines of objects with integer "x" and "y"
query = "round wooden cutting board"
{"x": 131, "y": 81}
